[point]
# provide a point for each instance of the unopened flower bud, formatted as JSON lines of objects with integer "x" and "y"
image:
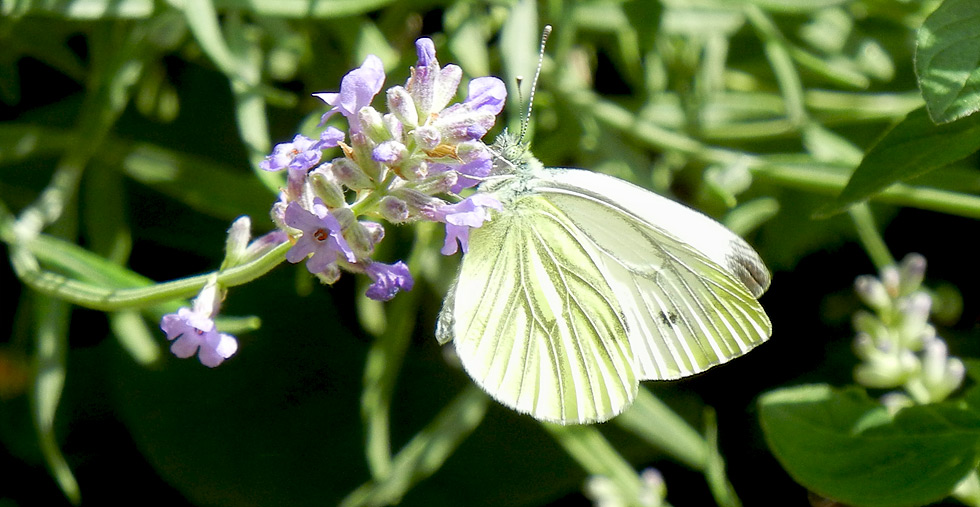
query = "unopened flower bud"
{"x": 891, "y": 279}
{"x": 363, "y": 148}
{"x": 868, "y": 323}
{"x": 887, "y": 370}
{"x": 372, "y": 124}
{"x": 400, "y": 103}
{"x": 329, "y": 275}
{"x": 394, "y": 209}
{"x": 914, "y": 317}
{"x": 394, "y": 125}
{"x": 390, "y": 153}
{"x": 872, "y": 292}
{"x": 278, "y": 215}
{"x": 375, "y": 230}
{"x": 239, "y": 234}
{"x": 438, "y": 183}
{"x": 350, "y": 174}
{"x": 414, "y": 169}
{"x": 911, "y": 273}
{"x": 326, "y": 186}
{"x": 359, "y": 238}
{"x": 427, "y": 137}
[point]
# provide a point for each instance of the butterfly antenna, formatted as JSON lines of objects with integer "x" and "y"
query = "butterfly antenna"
{"x": 534, "y": 84}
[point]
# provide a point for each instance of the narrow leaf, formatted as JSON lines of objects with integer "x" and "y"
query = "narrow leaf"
{"x": 947, "y": 60}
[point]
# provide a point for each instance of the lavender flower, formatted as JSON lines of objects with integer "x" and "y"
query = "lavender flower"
{"x": 321, "y": 237}
{"x": 192, "y": 330}
{"x": 388, "y": 280}
{"x": 357, "y": 90}
{"x": 460, "y": 217}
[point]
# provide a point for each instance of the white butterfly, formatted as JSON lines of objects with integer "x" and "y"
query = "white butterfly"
{"x": 585, "y": 285}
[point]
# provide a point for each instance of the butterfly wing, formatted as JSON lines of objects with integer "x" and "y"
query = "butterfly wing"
{"x": 534, "y": 321}
{"x": 687, "y": 285}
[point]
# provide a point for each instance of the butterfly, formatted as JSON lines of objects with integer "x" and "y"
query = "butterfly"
{"x": 585, "y": 284}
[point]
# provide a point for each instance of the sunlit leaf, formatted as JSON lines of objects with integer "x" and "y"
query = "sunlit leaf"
{"x": 913, "y": 147}
{"x": 947, "y": 60}
{"x": 845, "y": 446}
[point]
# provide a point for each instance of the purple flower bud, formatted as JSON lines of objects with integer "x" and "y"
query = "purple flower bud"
{"x": 401, "y": 104}
{"x": 389, "y": 152}
{"x": 427, "y": 137}
{"x": 426, "y": 52}
{"x": 350, "y": 174}
{"x": 394, "y": 209}
{"x": 375, "y": 230}
{"x": 388, "y": 280}
{"x": 321, "y": 237}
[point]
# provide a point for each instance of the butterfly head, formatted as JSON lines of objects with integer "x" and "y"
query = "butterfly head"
{"x": 510, "y": 154}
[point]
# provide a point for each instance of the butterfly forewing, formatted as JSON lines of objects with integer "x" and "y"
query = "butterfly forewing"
{"x": 534, "y": 321}
{"x": 687, "y": 286}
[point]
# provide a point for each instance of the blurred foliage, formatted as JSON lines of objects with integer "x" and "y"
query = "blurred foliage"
{"x": 131, "y": 135}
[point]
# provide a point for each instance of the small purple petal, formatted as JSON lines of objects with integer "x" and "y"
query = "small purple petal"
{"x": 194, "y": 333}
{"x": 301, "y": 154}
{"x": 461, "y": 217}
{"x": 388, "y": 280}
{"x": 357, "y": 90}
{"x": 321, "y": 237}
{"x": 331, "y": 137}
{"x": 486, "y": 94}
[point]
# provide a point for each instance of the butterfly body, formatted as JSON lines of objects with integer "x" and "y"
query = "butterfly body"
{"x": 586, "y": 284}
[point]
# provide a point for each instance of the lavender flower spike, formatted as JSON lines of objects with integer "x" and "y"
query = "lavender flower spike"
{"x": 321, "y": 237}
{"x": 460, "y": 217}
{"x": 192, "y": 330}
{"x": 388, "y": 280}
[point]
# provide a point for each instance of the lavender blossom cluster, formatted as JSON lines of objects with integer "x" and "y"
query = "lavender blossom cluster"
{"x": 394, "y": 167}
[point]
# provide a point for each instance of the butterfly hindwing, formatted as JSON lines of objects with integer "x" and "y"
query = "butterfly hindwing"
{"x": 687, "y": 286}
{"x": 534, "y": 320}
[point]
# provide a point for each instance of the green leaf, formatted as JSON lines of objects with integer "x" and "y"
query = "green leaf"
{"x": 845, "y": 446}
{"x": 911, "y": 148}
{"x": 947, "y": 60}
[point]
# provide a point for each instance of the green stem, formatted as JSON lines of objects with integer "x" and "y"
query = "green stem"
{"x": 781, "y": 62}
{"x": 806, "y": 174}
{"x": 103, "y": 298}
{"x": 426, "y": 452}
{"x": 874, "y": 244}
{"x": 652, "y": 420}
{"x": 384, "y": 362}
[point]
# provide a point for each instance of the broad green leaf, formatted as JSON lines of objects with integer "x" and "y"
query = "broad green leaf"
{"x": 947, "y": 60}
{"x": 913, "y": 147}
{"x": 845, "y": 446}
